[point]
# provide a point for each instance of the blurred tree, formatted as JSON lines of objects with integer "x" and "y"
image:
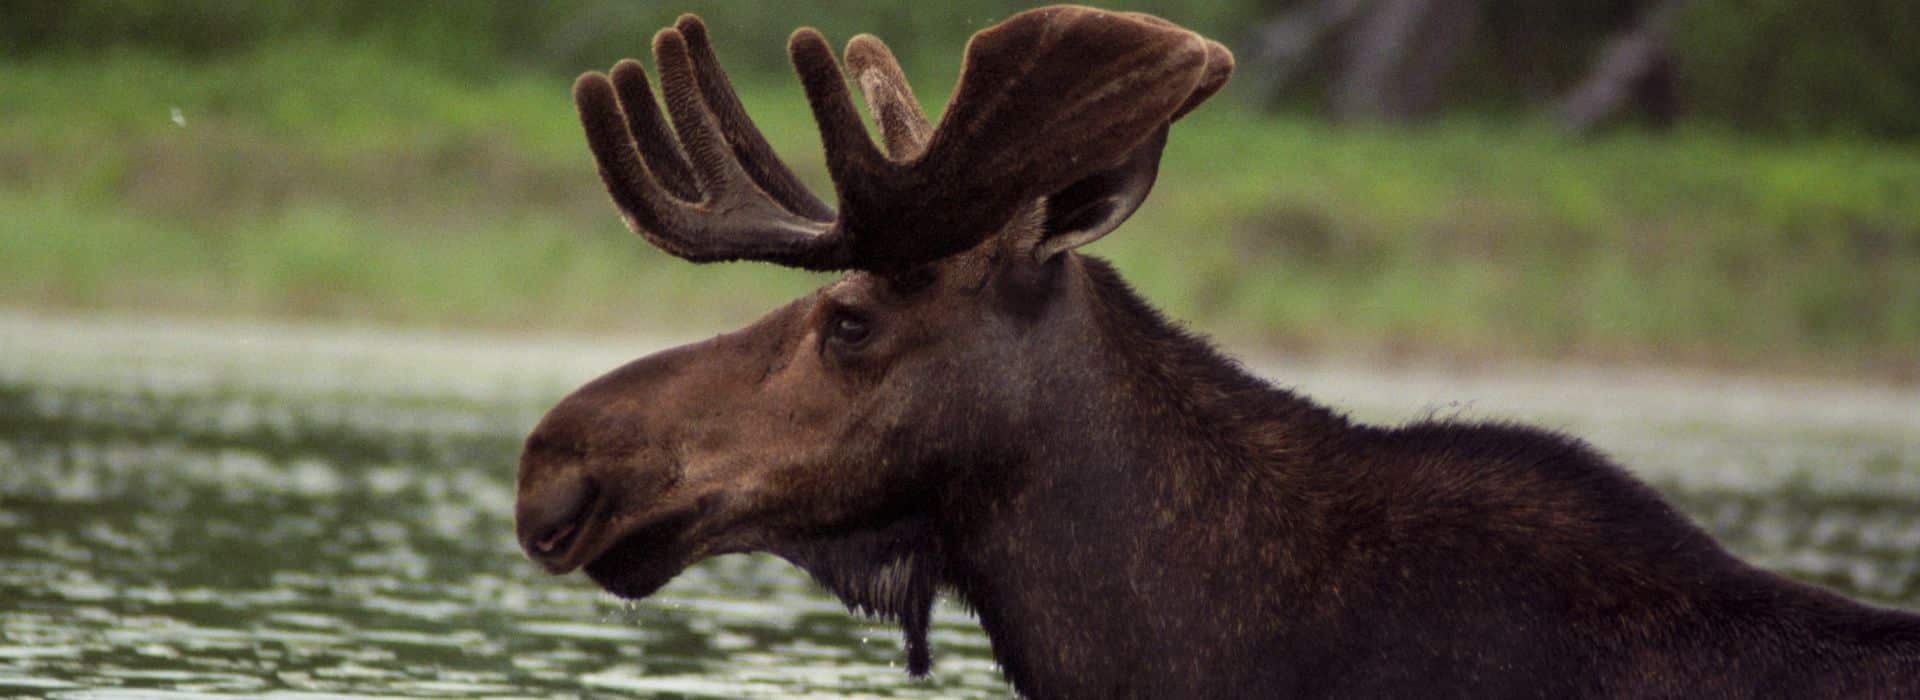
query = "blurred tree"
{"x": 1775, "y": 65}
{"x": 1636, "y": 71}
{"x": 1784, "y": 66}
{"x": 1391, "y": 60}
{"x": 1396, "y": 57}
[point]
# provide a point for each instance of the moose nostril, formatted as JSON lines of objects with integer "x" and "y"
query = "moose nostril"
{"x": 550, "y": 516}
{"x": 547, "y": 544}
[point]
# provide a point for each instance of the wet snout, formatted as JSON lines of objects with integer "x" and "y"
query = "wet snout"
{"x": 549, "y": 515}
{"x": 594, "y": 440}
{"x": 597, "y": 462}
{"x": 606, "y": 473}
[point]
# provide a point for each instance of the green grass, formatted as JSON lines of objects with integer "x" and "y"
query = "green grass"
{"x": 379, "y": 189}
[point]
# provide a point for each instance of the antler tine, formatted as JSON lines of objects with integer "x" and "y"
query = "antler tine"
{"x": 733, "y": 219}
{"x": 850, "y": 152}
{"x": 890, "y": 100}
{"x": 1046, "y": 98}
{"x": 749, "y": 146}
{"x": 648, "y": 210}
{"x": 658, "y": 149}
{"x": 716, "y": 169}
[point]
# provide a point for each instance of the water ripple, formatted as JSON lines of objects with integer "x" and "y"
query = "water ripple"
{"x": 185, "y": 517}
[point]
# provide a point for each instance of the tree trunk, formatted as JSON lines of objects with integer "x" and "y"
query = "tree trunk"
{"x": 1635, "y": 70}
{"x": 1398, "y": 57}
{"x": 1284, "y": 46}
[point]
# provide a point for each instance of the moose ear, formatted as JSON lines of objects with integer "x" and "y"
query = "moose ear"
{"x": 1099, "y": 203}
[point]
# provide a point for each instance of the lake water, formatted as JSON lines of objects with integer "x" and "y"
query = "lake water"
{"x": 193, "y": 510}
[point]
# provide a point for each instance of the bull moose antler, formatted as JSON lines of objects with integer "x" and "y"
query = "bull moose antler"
{"x": 1045, "y": 99}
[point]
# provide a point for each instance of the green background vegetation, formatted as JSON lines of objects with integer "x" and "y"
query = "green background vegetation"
{"x": 419, "y": 163}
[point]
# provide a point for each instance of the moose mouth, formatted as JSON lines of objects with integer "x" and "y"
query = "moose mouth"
{"x": 889, "y": 571}
{"x": 643, "y": 560}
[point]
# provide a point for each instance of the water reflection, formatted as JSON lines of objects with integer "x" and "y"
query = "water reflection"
{"x": 337, "y": 522}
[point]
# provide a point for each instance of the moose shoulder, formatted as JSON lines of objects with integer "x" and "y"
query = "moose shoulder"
{"x": 976, "y": 408}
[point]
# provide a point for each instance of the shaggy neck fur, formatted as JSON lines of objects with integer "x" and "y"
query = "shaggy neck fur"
{"x": 1112, "y": 555}
{"x": 1187, "y": 530}
{"x": 889, "y": 572}
{"x": 1084, "y": 504}
{"x": 1160, "y": 523}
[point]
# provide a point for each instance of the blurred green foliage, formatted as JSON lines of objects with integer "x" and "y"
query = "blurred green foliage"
{"x": 420, "y": 163}
{"x": 1791, "y": 66}
{"x": 1805, "y": 65}
{"x": 561, "y": 35}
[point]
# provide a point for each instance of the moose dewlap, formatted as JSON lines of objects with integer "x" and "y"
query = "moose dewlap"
{"x": 976, "y": 408}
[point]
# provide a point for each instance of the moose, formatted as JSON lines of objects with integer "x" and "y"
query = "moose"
{"x": 977, "y": 409}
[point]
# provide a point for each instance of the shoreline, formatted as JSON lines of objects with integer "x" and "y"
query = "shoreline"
{"x": 88, "y": 349}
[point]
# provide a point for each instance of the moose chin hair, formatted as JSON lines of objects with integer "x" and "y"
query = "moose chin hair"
{"x": 641, "y": 562}
{"x": 629, "y": 583}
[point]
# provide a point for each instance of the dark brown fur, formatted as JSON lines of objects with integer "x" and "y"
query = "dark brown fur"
{"x": 1131, "y": 514}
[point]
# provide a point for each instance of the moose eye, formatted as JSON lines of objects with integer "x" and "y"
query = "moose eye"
{"x": 848, "y": 329}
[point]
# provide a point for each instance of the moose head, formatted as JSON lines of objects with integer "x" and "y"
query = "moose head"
{"x": 855, "y": 429}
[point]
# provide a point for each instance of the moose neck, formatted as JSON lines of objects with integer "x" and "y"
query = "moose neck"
{"x": 1108, "y": 552}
